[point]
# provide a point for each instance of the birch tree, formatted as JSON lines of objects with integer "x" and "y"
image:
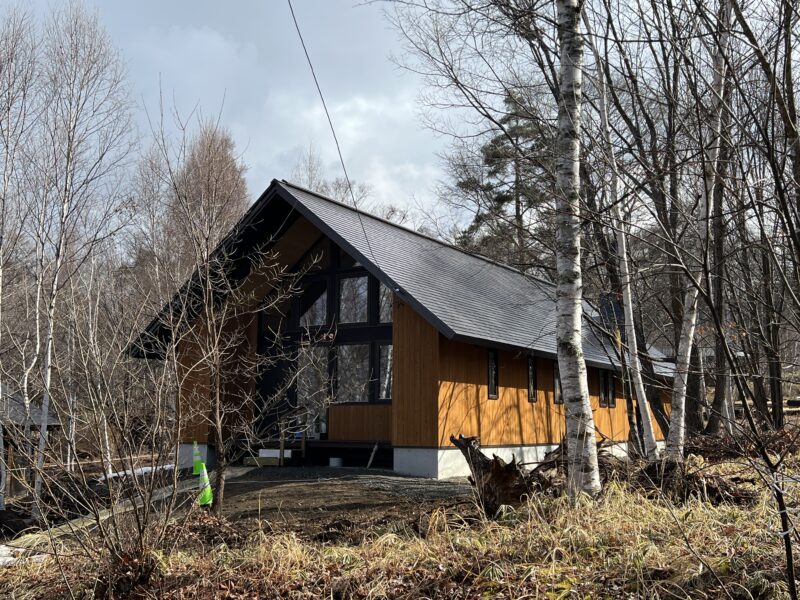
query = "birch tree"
{"x": 648, "y": 433}
{"x": 584, "y": 475}
{"x": 83, "y": 143}
{"x": 17, "y": 117}
{"x": 677, "y": 432}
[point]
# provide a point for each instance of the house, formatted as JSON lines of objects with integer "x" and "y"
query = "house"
{"x": 428, "y": 340}
{"x": 13, "y": 418}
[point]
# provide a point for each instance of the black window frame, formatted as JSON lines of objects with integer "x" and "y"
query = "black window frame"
{"x": 608, "y": 389}
{"x": 375, "y": 354}
{"x": 373, "y": 331}
{"x": 533, "y": 382}
{"x": 558, "y": 393}
{"x": 493, "y": 387}
{"x": 356, "y": 273}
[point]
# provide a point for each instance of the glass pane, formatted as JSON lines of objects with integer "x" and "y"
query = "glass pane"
{"x": 312, "y": 376}
{"x": 611, "y": 392}
{"x": 532, "y": 379}
{"x": 353, "y": 293}
{"x": 385, "y": 376}
{"x": 353, "y": 373}
{"x": 557, "y": 397}
{"x": 385, "y": 304}
{"x": 492, "y": 373}
{"x": 314, "y": 305}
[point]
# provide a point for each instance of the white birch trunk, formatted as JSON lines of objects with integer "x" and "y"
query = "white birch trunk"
{"x": 648, "y": 433}
{"x": 108, "y": 465}
{"x": 677, "y": 431}
{"x": 3, "y": 470}
{"x": 47, "y": 369}
{"x": 677, "y": 417}
{"x": 584, "y": 476}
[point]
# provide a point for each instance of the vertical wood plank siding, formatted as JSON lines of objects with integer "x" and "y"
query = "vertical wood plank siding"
{"x": 360, "y": 423}
{"x": 465, "y": 408}
{"x": 238, "y": 385}
{"x": 416, "y": 378}
{"x": 194, "y": 385}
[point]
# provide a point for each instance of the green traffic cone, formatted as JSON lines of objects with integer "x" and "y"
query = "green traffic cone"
{"x": 197, "y": 460}
{"x": 206, "y": 496}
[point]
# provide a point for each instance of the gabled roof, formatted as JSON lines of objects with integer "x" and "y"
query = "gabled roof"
{"x": 467, "y": 297}
{"x": 12, "y": 411}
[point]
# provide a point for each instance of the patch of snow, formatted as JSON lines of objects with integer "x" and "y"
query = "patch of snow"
{"x": 139, "y": 471}
{"x": 9, "y": 555}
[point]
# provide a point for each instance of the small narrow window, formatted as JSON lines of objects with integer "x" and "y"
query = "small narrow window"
{"x": 532, "y": 387}
{"x": 493, "y": 375}
{"x": 612, "y": 390}
{"x": 608, "y": 392}
{"x": 558, "y": 398}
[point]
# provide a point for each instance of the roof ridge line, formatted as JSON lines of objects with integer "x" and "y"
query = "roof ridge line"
{"x": 418, "y": 233}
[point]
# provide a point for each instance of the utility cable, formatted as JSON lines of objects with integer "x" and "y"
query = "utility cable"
{"x": 333, "y": 131}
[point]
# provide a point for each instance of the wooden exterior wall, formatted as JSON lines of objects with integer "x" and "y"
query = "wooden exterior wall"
{"x": 360, "y": 423}
{"x": 511, "y": 420}
{"x": 416, "y": 379}
{"x": 238, "y": 388}
{"x": 194, "y": 389}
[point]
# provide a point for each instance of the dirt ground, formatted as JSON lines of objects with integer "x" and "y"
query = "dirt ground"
{"x": 340, "y": 504}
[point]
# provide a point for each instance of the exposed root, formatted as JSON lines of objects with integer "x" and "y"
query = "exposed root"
{"x": 499, "y": 483}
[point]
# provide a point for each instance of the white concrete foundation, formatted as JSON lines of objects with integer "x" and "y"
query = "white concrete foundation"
{"x": 185, "y": 455}
{"x": 440, "y": 463}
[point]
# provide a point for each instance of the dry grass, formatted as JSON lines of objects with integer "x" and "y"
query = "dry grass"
{"x": 622, "y": 546}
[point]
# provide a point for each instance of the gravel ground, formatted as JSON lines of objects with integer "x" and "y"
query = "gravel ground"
{"x": 375, "y": 479}
{"x": 342, "y": 504}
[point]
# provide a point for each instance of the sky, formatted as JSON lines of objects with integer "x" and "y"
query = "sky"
{"x": 244, "y": 59}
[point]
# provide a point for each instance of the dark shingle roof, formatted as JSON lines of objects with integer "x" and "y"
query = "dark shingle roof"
{"x": 464, "y": 295}
{"x": 12, "y": 411}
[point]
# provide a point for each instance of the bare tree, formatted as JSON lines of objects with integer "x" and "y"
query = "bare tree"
{"x": 675, "y": 441}
{"x": 648, "y": 433}
{"x": 81, "y": 145}
{"x": 17, "y": 117}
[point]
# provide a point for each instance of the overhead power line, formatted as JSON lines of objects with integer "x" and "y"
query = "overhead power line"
{"x": 333, "y": 131}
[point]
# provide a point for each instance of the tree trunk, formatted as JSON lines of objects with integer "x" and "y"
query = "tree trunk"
{"x": 718, "y": 417}
{"x": 677, "y": 420}
{"x": 47, "y": 369}
{"x": 695, "y": 395}
{"x": 3, "y": 470}
{"x": 108, "y": 465}
{"x": 647, "y": 432}
{"x": 772, "y": 331}
{"x": 219, "y": 485}
{"x": 677, "y": 434}
{"x": 653, "y": 391}
{"x": 584, "y": 476}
